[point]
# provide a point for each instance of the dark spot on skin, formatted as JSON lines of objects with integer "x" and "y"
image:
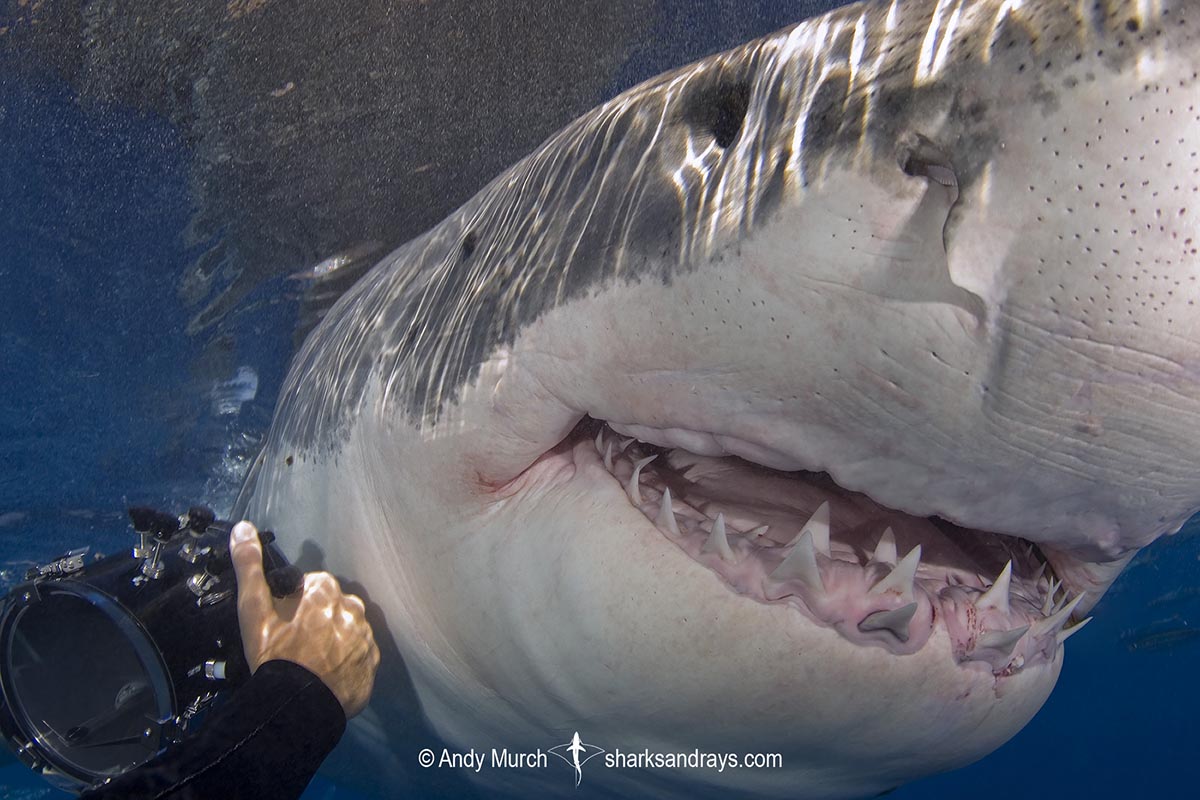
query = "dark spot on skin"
{"x": 1131, "y": 25}
{"x": 835, "y": 120}
{"x": 470, "y": 241}
{"x": 773, "y": 188}
{"x": 827, "y": 114}
{"x": 976, "y": 111}
{"x": 720, "y": 110}
{"x": 288, "y": 460}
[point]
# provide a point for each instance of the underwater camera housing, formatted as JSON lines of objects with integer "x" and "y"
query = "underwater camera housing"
{"x": 106, "y": 663}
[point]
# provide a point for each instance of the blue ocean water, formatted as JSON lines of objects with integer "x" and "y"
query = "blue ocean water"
{"x": 106, "y": 401}
{"x": 97, "y": 408}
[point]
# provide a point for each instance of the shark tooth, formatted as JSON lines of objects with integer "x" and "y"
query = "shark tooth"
{"x": 1004, "y": 641}
{"x": 818, "y": 526}
{"x": 608, "y": 464}
{"x": 1055, "y": 621}
{"x": 718, "y": 542}
{"x": 1071, "y": 630}
{"x": 621, "y": 446}
{"x": 1048, "y": 604}
{"x": 666, "y": 516}
{"x": 600, "y": 441}
{"x": 801, "y": 564}
{"x": 885, "y": 551}
{"x": 895, "y": 621}
{"x": 900, "y": 579}
{"x": 761, "y": 530}
{"x": 1039, "y": 572}
{"x": 997, "y": 596}
{"x": 633, "y": 489}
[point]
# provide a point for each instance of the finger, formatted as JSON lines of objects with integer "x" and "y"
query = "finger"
{"x": 356, "y": 605}
{"x": 254, "y": 596}
{"x": 372, "y": 654}
{"x": 321, "y": 586}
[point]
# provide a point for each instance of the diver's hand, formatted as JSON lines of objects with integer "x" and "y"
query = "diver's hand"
{"x": 319, "y": 627}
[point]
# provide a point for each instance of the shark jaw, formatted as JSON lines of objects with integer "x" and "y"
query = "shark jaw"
{"x": 877, "y": 576}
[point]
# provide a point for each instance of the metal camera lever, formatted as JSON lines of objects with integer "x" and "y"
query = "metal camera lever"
{"x": 155, "y": 529}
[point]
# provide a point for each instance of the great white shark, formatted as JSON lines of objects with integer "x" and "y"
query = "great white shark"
{"x": 802, "y": 400}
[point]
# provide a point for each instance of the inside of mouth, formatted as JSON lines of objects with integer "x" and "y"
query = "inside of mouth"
{"x": 878, "y": 576}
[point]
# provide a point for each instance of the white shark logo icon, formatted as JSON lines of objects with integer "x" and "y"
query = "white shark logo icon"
{"x": 576, "y": 753}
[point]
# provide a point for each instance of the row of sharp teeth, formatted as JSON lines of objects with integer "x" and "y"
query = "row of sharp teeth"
{"x": 800, "y": 565}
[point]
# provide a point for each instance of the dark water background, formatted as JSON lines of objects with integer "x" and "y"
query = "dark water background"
{"x": 107, "y": 399}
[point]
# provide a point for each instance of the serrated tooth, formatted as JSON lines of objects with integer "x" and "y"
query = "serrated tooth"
{"x": 666, "y": 515}
{"x": 1003, "y": 641}
{"x": 718, "y": 541}
{"x": 608, "y": 465}
{"x": 761, "y": 530}
{"x": 632, "y": 488}
{"x": 818, "y": 526}
{"x": 997, "y": 596}
{"x": 1055, "y": 621}
{"x": 900, "y": 579}
{"x": 885, "y": 551}
{"x": 1048, "y": 604}
{"x": 801, "y": 564}
{"x": 895, "y": 621}
{"x": 1068, "y": 632}
{"x": 600, "y": 441}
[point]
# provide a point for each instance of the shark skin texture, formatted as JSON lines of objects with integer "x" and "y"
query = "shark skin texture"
{"x": 802, "y": 400}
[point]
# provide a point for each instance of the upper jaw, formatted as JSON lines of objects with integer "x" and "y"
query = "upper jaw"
{"x": 1071, "y": 547}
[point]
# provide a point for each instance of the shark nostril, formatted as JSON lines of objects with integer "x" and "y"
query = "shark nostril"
{"x": 930, "y": 166}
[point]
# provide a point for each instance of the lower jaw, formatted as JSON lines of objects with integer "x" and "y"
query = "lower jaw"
{"x": 878, "y": 577}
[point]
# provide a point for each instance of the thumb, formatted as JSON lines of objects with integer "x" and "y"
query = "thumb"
{"x": 254, "y": 596}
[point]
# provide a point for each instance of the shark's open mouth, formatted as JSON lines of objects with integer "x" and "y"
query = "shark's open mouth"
{"x": 878, "y": 576}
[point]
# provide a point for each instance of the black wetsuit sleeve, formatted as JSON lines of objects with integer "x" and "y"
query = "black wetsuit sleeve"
{"x": 265, "y": 743}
